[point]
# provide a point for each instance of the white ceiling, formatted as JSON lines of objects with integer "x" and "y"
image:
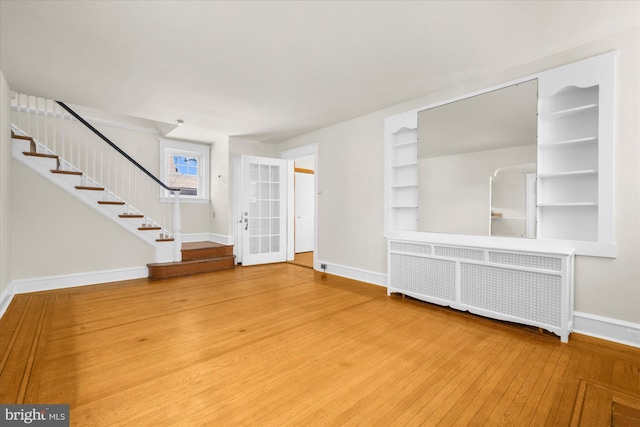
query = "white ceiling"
{"x": 272, "y": 70}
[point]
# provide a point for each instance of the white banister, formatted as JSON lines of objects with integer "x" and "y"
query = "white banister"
{"x": 177, "y": 227}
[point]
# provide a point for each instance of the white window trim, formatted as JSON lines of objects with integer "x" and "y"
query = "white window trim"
{"x": 196, "y": 150}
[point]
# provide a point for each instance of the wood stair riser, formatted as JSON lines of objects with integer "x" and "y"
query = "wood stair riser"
{"x": 166, "y": 270}
{"x": 195, "y": 254}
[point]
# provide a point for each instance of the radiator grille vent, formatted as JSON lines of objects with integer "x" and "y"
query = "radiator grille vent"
{"x": 527, "y": 295}
{"x": 462, "y": 253}
{"x": 532, "y": 261}
{"x": 410, "y": 247}
{"x": 424, "y": 276}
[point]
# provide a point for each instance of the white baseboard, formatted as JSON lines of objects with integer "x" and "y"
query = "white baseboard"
{"x": 5, "y": 298}
{"x": 361, "y": 275}
{"x": 211, "y": 237}
{"x": 49, "y": 283}
{"x": 37, "y": 284}
{"x": 607, "y": 328}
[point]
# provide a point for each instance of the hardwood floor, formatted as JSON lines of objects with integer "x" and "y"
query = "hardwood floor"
{"x": 285, "y": 345}
{"x": 303, "y": 259}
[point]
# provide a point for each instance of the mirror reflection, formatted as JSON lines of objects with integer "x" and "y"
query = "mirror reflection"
{"x": 477, "y": 164}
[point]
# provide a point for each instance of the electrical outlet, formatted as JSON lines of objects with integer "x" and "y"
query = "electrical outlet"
{"x": 633, "y": 335}
{"x": 323, "y": 266}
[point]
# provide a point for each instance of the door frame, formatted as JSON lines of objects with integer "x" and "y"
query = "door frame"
{"x": 258, "y": 183}
{"x": 299, "y": 174}
{"x": 293, "y": 154}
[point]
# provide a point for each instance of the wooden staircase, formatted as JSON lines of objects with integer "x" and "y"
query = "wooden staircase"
{"x": 197, "y": 257}
{"x": 33, "y": 152}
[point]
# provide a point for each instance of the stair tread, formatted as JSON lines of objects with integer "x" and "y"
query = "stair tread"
{"x": 86, "y": 187}
{"x": 149, "y": 228}
{"x": 168, "y": 239}
{"x": 110, "y": 202}
{"x": 24, "y": 137}
{"x": 131, "y": 216}
{"x": 66, "y": 172}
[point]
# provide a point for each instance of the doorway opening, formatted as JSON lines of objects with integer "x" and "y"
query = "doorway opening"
{"x": 301, "y": 209}
{"x": 302, "y": 242}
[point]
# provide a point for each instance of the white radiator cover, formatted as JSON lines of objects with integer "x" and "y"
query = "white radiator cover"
{"x": 531, "y": 288}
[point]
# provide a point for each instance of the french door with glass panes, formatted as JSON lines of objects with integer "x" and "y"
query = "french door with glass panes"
{"x": 264, "y": 197}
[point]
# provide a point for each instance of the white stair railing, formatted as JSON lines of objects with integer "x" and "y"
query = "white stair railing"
{"x": 81, "y": 148}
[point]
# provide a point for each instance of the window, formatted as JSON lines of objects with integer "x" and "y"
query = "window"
{"x": 185, "y": 166}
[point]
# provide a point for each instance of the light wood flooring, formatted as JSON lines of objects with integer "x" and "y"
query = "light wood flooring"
{"x": 303, "y": 259}
{"x": 286, "y": 345}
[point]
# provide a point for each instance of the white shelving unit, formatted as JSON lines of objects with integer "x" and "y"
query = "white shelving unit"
{"x": 574, "y": 183}
{"x": 402, "y": 158}
{"x": 575, "y": 152}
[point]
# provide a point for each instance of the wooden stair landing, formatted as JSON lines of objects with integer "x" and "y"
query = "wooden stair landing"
{"x": 197, "y": 257}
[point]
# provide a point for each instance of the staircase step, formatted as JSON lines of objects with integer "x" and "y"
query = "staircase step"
{"x": 66, "y": 172}
{"x": 48, "y": 156}
{"x": 131, "y": 216}
{"x": 165, "y": 239}
{"x": 43, "y": 155}
{"x": 32, "y": 143}
{"x": 110, "y": 202}
{"x": 186, "y": 268}
{"x": 204, "y": 250}
{"x": 148, "y": 228}
{"x": 85, "y": 187}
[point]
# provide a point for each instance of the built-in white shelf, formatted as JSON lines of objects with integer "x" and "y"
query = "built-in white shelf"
{"x": 567, "y": 204}
{"x": 404, "y": 165}
{"x": 402, "y": 144}
{"x": 567, "y": 173}
{"x": 405, "y": 186}
{"x": 587, "y": 140}
{"x": 568, "y": 111}
{"x": 401, "y": 160}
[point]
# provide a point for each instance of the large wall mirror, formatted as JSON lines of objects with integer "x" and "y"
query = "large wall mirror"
{"x": 477, "y": 164}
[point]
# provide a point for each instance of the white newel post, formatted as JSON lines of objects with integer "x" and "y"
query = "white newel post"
{"x": 177, "y": 228}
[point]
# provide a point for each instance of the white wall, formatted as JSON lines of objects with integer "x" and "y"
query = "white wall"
{"x": 350, "y": 166}
{"x": 53, "y": 233}
{"x": 350, "y": 192}
{"x": 220, "y": 191}
{"x": 5, "y": 188}
{"x": 143, "y": 146}
{"x": 222, "y": 188}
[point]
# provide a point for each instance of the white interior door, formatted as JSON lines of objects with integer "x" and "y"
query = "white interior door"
{"x": 304, "y": 211}
{"x": 264, "y": 200}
